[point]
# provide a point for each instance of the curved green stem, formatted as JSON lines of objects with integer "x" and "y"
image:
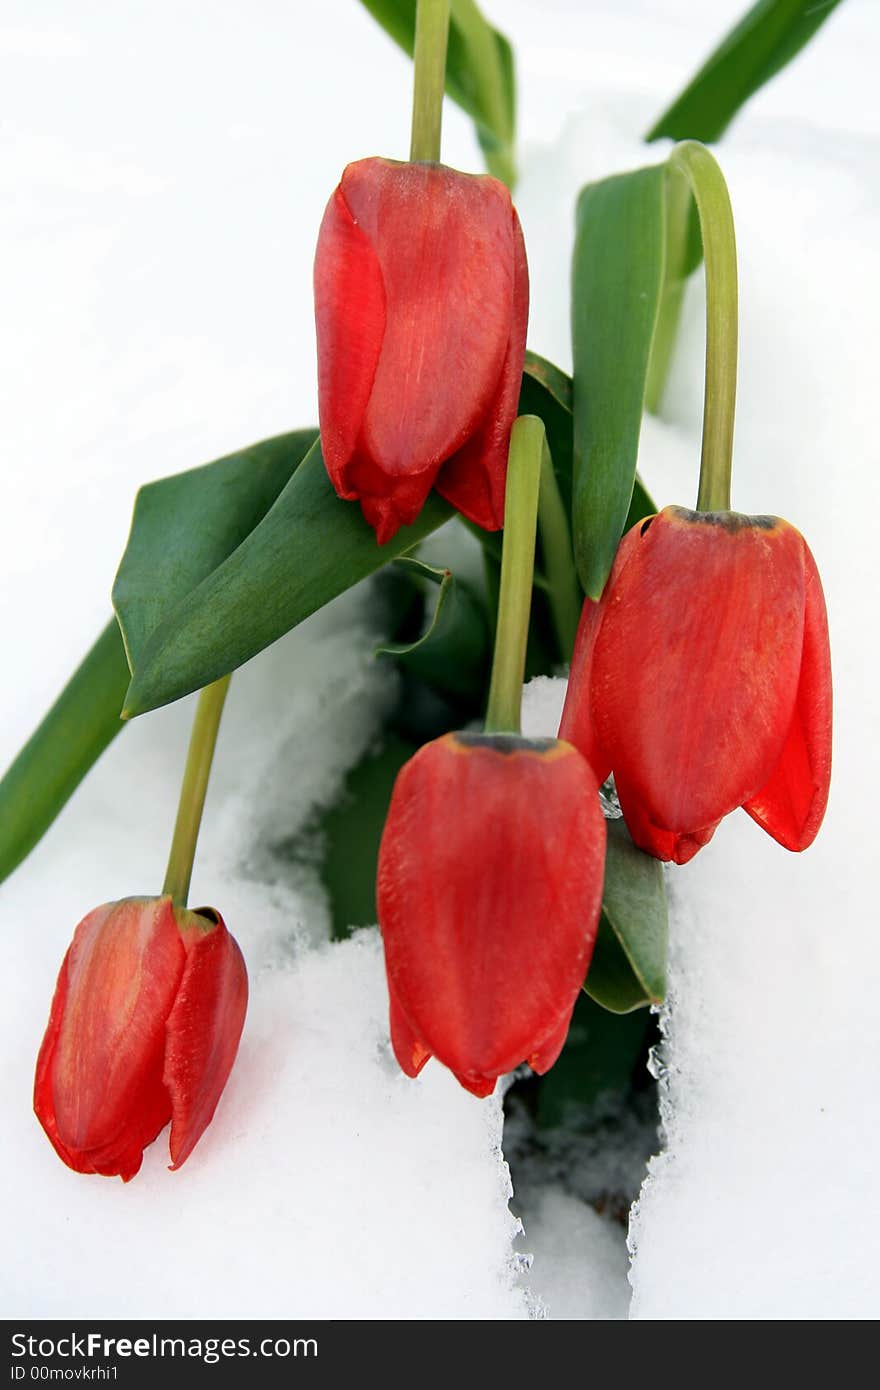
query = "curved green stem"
{"x": 527, "y": 443}
{"x": 563, "y": 590}
{"x": 709, "y": 190}
{"x": 429, "y": 78}
{"x": 194, "y": 789}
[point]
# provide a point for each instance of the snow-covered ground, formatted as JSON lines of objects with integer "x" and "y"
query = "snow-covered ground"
{"x": 164, "y": 170}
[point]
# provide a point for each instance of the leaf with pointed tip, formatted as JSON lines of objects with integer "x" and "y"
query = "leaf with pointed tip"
{"x": 628, "y": 969}
{"x": 768, "y": 36}
{"x": 307, "y": 549}
{"x": 452, "y": 653}
{"x": 617, "y": 282}
{"x": 57, "y": 756}
{"x": 185, "y": 526}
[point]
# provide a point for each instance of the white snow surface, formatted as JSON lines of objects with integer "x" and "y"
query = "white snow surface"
{"x": 164, "y": 173}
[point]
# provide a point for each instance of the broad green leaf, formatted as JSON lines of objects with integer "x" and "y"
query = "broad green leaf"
{"x": 185, "y": 526}
{"x": 479, "y": 73}
{"x": 73, "y": 735}
{"x": 761, "y": 44}
{"x": 452, "y": 652}
{"x": 628, "y": 969}
{"x": 617, "y": 281}
{"x": 307, "y": 549}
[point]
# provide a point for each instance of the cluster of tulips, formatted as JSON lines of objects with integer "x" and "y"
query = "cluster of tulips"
{"x": 700, "y": 680}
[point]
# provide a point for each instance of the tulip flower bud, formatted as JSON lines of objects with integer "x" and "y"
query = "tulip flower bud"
{"x": 144, "y": 1028}
{"x": 489, "y": 890}
{"x": 702, "y": 678}
{"x": 421, "y": 304}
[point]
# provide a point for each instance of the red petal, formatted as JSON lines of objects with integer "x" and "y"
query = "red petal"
{"x": 791, "y": 804}
{"x": 44, "y": 1105}
{"x": 473, "y": 480}
{"x": 695, "y": 666}
{"x": 387, "y": 503}
{"x": 98, "y": 1089}
{"x": 445, "y": 249}
{"x": 350, "y": 323}
{"x": 479, "y": 1086}
{"x": 576, "y": 725}
{"x": 489, "y": 887}
{"x": 204, "y": 1027}
{"x": 409, "y": 1051}
{"x": 677, "y": 846}
{"x": 543, "y": 1057}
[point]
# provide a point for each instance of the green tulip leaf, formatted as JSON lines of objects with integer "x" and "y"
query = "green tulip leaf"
{"x": 452, "y": 652}
{"x": 617, "y": 283}
{"x": 185, "y": 526}
{"x": 768, "y": 36}
{"x": 480, "y": 75}
{"x": 308, "y": 548}
{"x": 73, "y": 735}
{"x": 628, "y": 969}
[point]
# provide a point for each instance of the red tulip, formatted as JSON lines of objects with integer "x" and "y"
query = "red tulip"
{"x": 421, "y": 303}
{"x": 145, "y": 1023}
{"x": 702, "y": 678}
{"x": 489, "y": 889}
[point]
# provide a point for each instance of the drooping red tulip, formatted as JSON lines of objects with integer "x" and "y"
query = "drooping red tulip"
{"x": 489, "y": 890}
{"x": 144, "y": 1028}
{"x": 702, "y": 679}
{"x": 421, "y": 305}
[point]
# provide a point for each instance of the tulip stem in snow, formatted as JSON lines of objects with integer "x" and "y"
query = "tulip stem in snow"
{"x": 429, "y": 78}
{"x": 563, "y": 590}
{"x": 709, "y": 190}
{"x": 193, "y": 790}
{"x": 527, "y": 444}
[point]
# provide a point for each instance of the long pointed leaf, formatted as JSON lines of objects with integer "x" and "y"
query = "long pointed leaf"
{"x": 308, "y": 548}
{"x": 761, "y": 44}
{"x": 73, "y": 735}
{"x": 617, "y": 282}
{"x": 185, "y": 526}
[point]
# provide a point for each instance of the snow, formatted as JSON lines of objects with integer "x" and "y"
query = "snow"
{"x": 155, "y": 266}
{"x": 580, "y": 1261}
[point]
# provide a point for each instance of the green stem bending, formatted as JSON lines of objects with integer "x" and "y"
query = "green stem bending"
{"x": 527, "y": 444}
{"x": 429, "y": 78}
{"x": 563, "y": 590}
{"x": 193, "y": 790}
{"x": 710, "y": 194}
